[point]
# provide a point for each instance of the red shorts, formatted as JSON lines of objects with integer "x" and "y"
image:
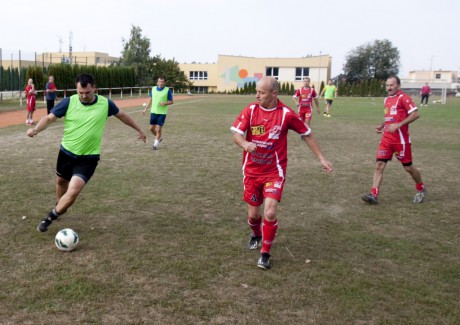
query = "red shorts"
{"x": 256, "y": 189}
{"x": 31, "y": 103}
{"x": 305, "y": 113}
{"x": 386, "y": 150}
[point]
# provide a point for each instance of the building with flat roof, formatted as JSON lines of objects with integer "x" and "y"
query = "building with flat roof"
{"x": 231, "y": 72}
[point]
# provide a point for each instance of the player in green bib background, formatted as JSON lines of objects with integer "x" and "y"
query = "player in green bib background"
{"x": 85, "y": 116}
{"x": 160, "y": 98}
{"x": 330, "y": 92}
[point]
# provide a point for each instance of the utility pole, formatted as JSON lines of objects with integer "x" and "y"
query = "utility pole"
{"x": 70, "y": 47}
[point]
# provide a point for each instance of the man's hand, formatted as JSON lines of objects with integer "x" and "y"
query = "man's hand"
{"x": 250, "y": 147}
{"x": 327, "y": 166}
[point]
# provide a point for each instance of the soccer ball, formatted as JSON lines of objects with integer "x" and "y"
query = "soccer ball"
{"x": 145, "y": 104}
{"x": 66, "y": 240}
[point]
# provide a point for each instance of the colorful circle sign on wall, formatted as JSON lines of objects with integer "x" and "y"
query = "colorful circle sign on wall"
{"x": 243, "y": 73}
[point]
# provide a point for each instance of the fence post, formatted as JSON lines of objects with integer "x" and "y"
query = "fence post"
{"x": 110, "y": 93}
{"x": 121, "y": 92}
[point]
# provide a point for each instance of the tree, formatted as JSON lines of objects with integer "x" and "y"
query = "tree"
{"x": 170, "y": 70}
{"x": 136, "y": 53}
{"x": 377, "y": 60}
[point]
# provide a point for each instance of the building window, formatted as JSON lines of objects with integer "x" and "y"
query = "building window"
{"x": 198, "y": 75}
{"x": 438, "y": 76}
{"x": 199, "y": 90}
{"x": 300, "y": 73}
{"x": 272, "y": 72}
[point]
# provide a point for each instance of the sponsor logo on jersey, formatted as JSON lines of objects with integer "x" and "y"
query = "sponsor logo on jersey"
{"x": 393, "y": 110}
{"x": 278, "y": 184}
{"x": 258, "y": 129}
{"x": 275, "y": 132}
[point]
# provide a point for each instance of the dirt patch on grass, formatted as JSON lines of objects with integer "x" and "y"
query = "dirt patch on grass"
{"x": 19, "y": 117}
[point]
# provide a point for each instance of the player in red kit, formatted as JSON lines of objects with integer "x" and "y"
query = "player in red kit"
{"x": 303, "y": 98}
{"x": 266, "y": 123}
{"x": 31, "y": 97}
{"x": 400, "y": 111}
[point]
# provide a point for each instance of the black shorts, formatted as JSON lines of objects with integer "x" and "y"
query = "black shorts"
{"x": 329, "y": 101}
{"x": 82, "y": 166}
{"x": 49, "y": 105}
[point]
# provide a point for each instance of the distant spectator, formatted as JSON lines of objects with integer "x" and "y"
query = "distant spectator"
{"x": 30, "y": 94}
{"x": 51, "y": 94}
{"x": 425, "y": 92}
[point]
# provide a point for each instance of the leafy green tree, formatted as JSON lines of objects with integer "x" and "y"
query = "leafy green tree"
{"x": 377, "y": 60}
{"x": 136, "y": 54}
{"x": 170, "y": 70}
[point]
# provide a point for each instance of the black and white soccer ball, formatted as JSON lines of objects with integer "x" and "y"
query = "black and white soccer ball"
{"x": 66, "y": 240}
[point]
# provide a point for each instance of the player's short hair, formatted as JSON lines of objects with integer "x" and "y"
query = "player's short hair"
{"x": 84, "y": 79}
{"x": 162, "y": 78}
{"x": 306, "y": 78}
{"x": 393, "y": 76}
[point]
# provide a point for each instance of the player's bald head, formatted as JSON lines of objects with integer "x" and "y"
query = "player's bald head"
{"x": 269, "y": 83}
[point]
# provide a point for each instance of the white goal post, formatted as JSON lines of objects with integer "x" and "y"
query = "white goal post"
{"x": 438, "y": 89}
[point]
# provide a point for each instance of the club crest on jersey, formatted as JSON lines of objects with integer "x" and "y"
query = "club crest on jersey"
{"x": 393, "y": 110}
{"x": 275, "y": 132}
{"x": 258, "y": 129}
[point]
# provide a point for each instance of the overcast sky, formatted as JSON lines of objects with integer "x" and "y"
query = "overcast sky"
{"x": 426, "y": 32}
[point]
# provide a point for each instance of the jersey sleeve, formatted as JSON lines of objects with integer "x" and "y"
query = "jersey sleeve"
{"x": 113, "y": 108}
{"x": 170, "y": 96}
{"x": 61, "y": 108}
{"x": 242, "y": 122}
{"x": 408, "y": 104}
{"x": 296, "y": 94}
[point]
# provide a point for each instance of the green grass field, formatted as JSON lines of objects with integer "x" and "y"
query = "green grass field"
{"x": 163, "y": 233}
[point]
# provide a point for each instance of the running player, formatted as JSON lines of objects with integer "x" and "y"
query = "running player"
{"x": 266, "y": 123}
{"x": 303, "y": 98}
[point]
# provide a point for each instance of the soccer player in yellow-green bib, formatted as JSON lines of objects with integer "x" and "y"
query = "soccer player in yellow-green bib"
{"x": 85, "y": 116}
{"x": 330, "y": 92}
{"x": 160, "y": 98}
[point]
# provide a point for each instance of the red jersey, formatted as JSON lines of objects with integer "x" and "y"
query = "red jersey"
{"x": 397, "y": 108}
{"x": 268, "y": 129}
{"x": 426, "y": 90}
{"x": 306, "y": 96}
{"x": 28, "y": 93}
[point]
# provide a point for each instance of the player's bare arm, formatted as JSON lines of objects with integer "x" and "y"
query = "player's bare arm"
{"x": 147, "y": 106}
{"x": 169, "y": 102}
{"x": 125, "y": 118}
{"x": 411, "y": 118}
{"x": 379, "y": 128}
{"x": 315, "y": 148}
{"x": 317, "y": 105}
{"x": 42, "y": 125}
{"x": 243, "y": 143}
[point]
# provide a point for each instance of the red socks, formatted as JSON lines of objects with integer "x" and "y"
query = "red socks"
{"x": 255, "y": 226}
{"x": 420, "y": 187}
{"x": 269, "y": 232}
{"x": 375, "y": 191}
